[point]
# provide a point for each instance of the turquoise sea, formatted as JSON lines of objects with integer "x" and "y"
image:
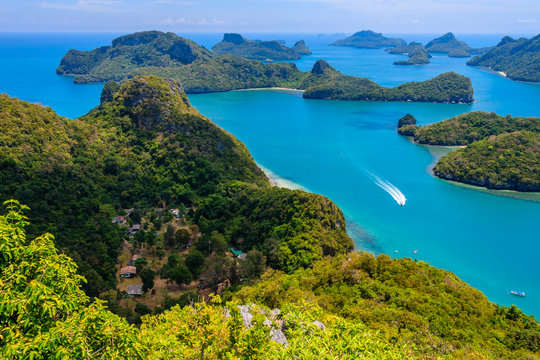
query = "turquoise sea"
{"x": 350, "y": 152}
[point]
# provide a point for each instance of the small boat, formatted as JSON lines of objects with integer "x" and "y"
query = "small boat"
{"x": 518, "y": 293}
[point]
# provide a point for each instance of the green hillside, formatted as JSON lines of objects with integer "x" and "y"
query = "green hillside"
{"x": 508, "y": 161}
{"x": 518, "y": 59}
{"x": 145, "y": 146}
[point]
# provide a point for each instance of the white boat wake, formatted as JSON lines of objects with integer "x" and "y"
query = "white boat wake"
{"x": 390, "y": 189}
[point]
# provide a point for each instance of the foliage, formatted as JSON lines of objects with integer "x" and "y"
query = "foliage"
{"x": 235, "y": 44}
{"x": 147, "y": 276}
{"x": 518, "y": 59}
{"x": 205, "y": 331}
{"x": 369, "y": 40}
{"x": 324, "y": 82}
{"x": 467, "y": 128}
{"x": 253, "y": 265}
{"x": 358, "y": 306}
{"x": 407, "y": 119}
{"x": 410, "y": 302}
{"x": 145, "y": 146}
{"x": 44, "y": 313}
{"x": 507, "y": 161}
{"x": 292, "y": 228}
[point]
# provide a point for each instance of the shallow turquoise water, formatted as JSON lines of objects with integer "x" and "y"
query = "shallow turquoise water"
{"x": 338, "y": 149}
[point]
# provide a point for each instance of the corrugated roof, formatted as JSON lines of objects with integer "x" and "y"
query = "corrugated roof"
{"x": 128, "y": 270}
{"x": 134, "y": 290}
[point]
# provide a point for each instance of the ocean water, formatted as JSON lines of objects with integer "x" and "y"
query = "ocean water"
{"x": 350, "y": 152}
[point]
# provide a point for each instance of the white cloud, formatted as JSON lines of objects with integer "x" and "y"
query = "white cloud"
{"x": 175, "y": 2}
{"x": 85, "y": 5}
{"x": 526, "y": 21}
{"x": 184, "y": 21}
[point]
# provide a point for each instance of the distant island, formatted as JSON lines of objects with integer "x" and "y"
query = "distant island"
{"x": 369, "y": 40}
{"x": 301, "y": 48}
{"x": 201, "y": 71}
{"x": 517, "y": 59}
{"x": 235, "y": 44}
{"x": 325, "y": 82}
{"x": 502, "y": 152}
{"x": 447, "y": 44}
{"x": 418, "y": 55}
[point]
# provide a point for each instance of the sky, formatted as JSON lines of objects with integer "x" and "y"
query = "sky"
{"x": 274, "y": 16}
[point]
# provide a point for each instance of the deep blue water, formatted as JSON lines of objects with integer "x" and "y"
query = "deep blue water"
{"x": 340, "y": 149}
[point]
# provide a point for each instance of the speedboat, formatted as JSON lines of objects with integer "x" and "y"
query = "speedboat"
{"x": 518, "y": 293}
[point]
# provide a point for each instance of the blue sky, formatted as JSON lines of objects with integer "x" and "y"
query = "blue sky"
{"x": 309, "y": 16}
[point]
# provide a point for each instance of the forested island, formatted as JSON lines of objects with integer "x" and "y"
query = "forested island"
{"x": 518, "y": 59}
{"x": 146, "y": 149}
{"x": 235, "y": 44}
{"x": 502, "y": 152}
{"x": 369, "y": 40}
{"x": 448, "y": 44}
{"x": 200, "y": 71}
{"x": 325, "y": 82}
{"x": 509, "y": 161}
{"x": 418, "y": 55}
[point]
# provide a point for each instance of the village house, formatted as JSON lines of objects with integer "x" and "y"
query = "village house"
{"x": 134, "y": 290}
{"x": 134, "y": 258}
{"x": 133, "y": 229}
{"x": 120, "y": 220}
{"x": 128, "y": 272}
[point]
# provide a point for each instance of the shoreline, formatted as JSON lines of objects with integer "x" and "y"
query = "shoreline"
{"x": 278, "y": 181}
{"x": 438, "y": 151}
{"x": 271, "y": 89}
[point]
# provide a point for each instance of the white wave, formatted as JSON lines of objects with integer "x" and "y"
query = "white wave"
{"x": 393, "y": 191}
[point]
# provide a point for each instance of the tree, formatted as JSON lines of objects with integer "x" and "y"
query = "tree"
{"x": 44, "y": 312}
{"x": 254, "y": 264}
{"x": 169, "y": 237}
{"x": 194, "y": 261}
{"x": 147, "y": 276}
{"x": 173, "y": 260}
{"x": 179, "y": 274}
{"x": 182, "y": 237}
{"x": 140, "y": 263}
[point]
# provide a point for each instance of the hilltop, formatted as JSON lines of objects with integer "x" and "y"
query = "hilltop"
{"x": 235, "y": 44}
{"x": 519, "y": 59}
{"x": 369, "y": 39}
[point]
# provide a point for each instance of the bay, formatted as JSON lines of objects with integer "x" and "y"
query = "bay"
{"x": 343, "y": 150}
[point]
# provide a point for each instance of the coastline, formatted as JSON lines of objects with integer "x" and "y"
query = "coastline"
{"x": 276, "y": 180}
{"x": 283, "y": 89}
{"x": 438, "y": 151}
